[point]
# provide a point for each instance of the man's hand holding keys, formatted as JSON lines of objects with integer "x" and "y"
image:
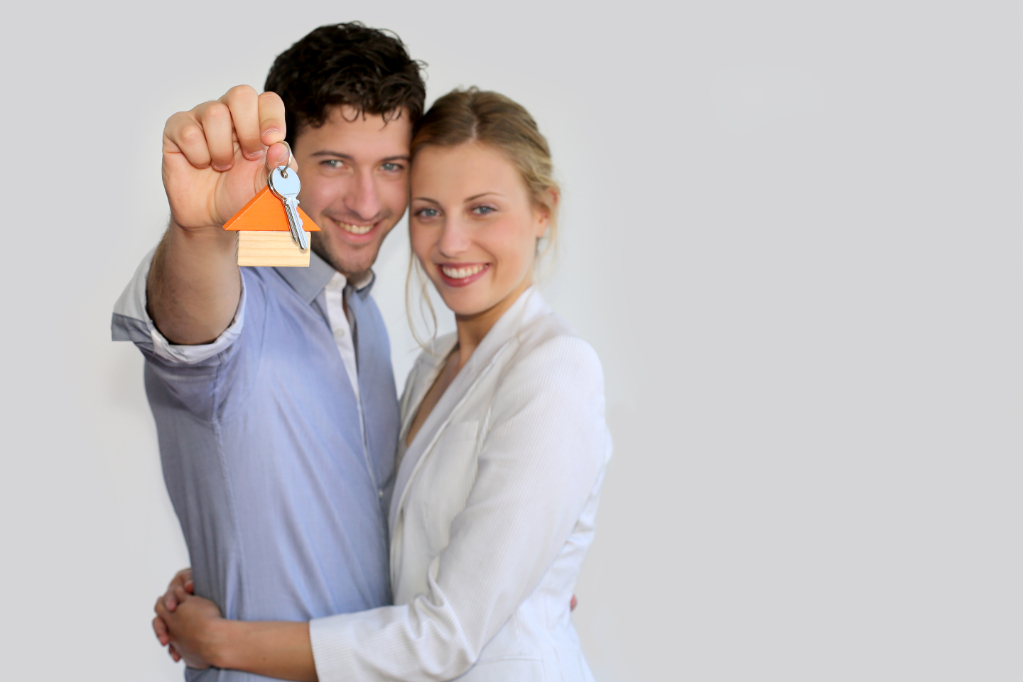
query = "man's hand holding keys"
{"x": 213, "y": 155}
{"x": 215, "y": 159}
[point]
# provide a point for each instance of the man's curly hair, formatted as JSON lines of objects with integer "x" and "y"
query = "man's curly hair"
{"x": 367, "y": 69}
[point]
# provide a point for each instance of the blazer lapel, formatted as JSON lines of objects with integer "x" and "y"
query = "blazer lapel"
{"x": 422, "y": 445}
{"x": 425, "y": 372}
{"x": 493, "y": 346}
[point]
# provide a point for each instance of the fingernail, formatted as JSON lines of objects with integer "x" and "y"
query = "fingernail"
{"x": 271, "y": 130}
{"x": 221, "y": 169}
{"x": 252, "y": 156}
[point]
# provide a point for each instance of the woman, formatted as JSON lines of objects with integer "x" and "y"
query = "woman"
{"x": 502, "y": 451}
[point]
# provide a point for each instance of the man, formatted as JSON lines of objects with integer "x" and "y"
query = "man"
{"x": 272, "y": 389}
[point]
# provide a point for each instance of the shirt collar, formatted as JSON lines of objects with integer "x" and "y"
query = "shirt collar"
{"x": 309, "y": 282}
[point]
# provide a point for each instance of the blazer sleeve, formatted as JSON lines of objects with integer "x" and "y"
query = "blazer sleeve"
{"x": 540, "y": 459}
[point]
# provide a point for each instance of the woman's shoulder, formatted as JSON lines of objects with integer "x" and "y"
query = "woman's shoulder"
{"x": 547, "y": 343}
{"x": 541, "y": 327}
{"x": 553, "y": 380}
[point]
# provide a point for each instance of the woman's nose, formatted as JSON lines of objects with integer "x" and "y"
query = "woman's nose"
{"x": 454, "y": 238}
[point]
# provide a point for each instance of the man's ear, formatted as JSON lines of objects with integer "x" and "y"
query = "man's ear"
{"x": 544, "y": 212}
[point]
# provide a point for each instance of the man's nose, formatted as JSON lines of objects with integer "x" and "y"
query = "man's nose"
{"x": 363, "y": 198}
{"x": 454, "y": 238}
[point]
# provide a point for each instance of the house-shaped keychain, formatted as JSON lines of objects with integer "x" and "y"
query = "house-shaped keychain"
{"x": 264, "y": 235}
{"x": 272, "y": 229}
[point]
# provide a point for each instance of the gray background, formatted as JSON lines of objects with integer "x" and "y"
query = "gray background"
{"x": 791, "y": 230}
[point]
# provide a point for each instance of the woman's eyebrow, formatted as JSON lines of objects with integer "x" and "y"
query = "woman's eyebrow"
{"x": 483, "y": 194}
{"x": 472, "y": 198}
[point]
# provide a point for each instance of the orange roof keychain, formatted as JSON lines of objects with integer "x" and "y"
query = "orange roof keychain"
{"x": 267, "y": 234}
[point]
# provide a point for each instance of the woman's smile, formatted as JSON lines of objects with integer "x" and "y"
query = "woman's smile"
{"x": 461, "y": 274}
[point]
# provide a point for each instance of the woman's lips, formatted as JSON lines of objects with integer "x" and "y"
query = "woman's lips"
{"x": 461, "y": 274}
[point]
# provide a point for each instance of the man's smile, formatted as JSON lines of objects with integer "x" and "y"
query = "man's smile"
{"x": 355, "y": 232}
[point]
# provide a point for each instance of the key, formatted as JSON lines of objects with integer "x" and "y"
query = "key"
{"x": 285, "y": 185}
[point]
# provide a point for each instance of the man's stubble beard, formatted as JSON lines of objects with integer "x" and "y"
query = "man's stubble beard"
{"x": 321, "y": 246}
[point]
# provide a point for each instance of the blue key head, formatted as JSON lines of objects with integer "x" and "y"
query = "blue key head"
{"x": 284, "y": 182}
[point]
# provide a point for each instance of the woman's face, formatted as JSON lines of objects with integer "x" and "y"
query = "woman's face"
{"x": 473, "y": 226}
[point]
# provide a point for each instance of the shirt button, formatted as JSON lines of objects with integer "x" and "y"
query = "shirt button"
{"x": 381, "y": 494}
{"x": 339, "y": 333}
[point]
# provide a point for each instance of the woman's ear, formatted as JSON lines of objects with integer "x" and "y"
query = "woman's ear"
{"x": 544, "y": 212}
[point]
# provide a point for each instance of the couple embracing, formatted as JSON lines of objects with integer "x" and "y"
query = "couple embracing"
{"x": 335, "y": 532}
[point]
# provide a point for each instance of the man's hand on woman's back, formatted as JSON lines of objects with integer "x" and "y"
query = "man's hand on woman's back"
{"x": 177, "y": 591}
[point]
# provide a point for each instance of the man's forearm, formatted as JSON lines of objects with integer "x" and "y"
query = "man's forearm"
{"x": 194, "y": 284}
{"x": 269, "y": 648}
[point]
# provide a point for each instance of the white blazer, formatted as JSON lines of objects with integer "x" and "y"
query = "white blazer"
{"x": 492, "y": 514}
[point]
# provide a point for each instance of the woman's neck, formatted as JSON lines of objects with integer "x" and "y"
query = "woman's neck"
{"x": 471, "y": 329}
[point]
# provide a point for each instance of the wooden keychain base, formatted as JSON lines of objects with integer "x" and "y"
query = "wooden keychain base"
{"x": 274, "y": 249}
{"x": 264, "y": 235}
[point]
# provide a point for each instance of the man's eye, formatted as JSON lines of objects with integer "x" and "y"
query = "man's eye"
{"x": 333, "y": 163}
{"x": 391, "y": 167}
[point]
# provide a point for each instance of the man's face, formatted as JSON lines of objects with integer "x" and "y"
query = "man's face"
{"x": 354, "y": 172}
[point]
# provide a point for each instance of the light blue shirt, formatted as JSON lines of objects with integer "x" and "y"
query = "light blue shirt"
{"x": 281, "y": 496}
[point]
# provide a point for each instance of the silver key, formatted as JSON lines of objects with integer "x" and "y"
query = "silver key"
{"x": 285, "y": 185}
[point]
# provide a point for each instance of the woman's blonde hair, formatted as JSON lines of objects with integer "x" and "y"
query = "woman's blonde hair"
{"x": 489, "y": 118}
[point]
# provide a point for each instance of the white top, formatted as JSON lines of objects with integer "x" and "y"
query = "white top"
{"x": 492, "y": 514}
{"x": 334, "y": 293}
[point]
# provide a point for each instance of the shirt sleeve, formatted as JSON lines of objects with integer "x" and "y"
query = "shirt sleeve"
{"x": 541, "y": 459}
{"x": 206, "y": 380}
{"x": 131, "y": 322}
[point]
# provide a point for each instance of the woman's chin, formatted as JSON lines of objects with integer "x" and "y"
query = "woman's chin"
{"x": 463, "y": 304}
{"x": 478, "y": 297}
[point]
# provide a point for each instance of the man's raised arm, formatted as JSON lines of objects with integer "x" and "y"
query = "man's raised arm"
{"x": 213, "y": 164}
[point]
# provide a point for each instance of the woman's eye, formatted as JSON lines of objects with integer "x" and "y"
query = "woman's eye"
{"x": 483, "y": 210}
{"x": 427, "y": 213}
